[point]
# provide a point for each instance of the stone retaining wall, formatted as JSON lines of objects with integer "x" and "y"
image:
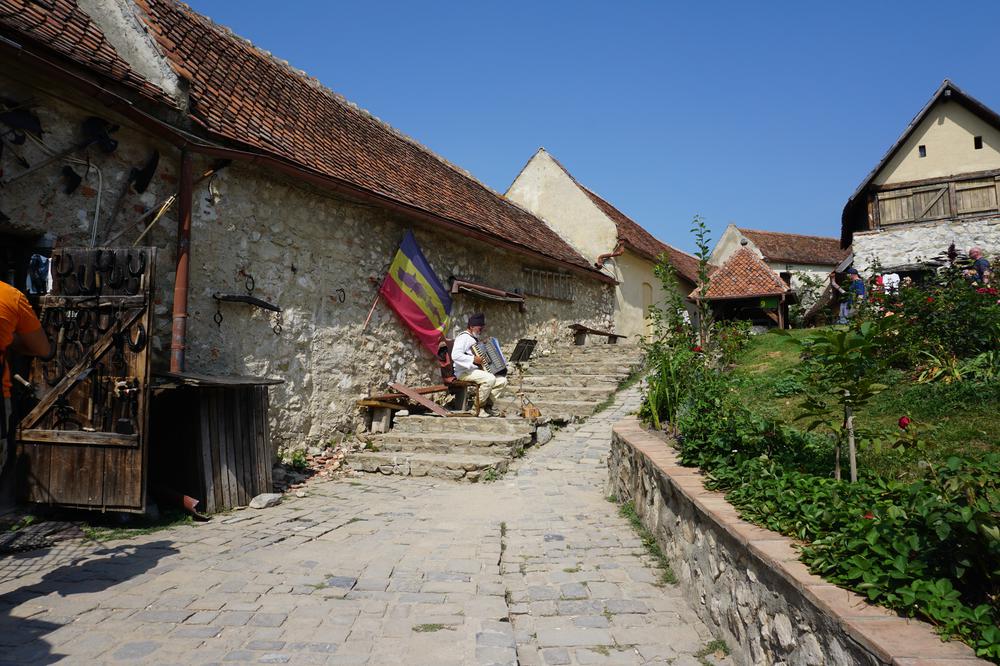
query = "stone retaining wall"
{"x": 747, "y": 583}
{"x": 911, "y": 243}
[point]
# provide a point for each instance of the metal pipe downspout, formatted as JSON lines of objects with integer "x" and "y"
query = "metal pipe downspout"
{"x": 178, "y": 330}
{"x": 617, "y": 252}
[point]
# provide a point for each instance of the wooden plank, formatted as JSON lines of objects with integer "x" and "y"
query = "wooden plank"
{"x": 80, "y": 437}
{"x": 420, "y": 400}
{"x": 217, "y": 446}
{"x": 973, "y": 175}
{"x": 123, "y": 486}
{"x": 77, "y": 475}
{"x": 242, "y": 445}
{"x": 265, "y": 425}
{"x": 260, "y": 445}
{"x": 229, "y": 436}
{"x": 81, "y": 302}
{"x": 205, "y": 454}
{"x": 929, "y": 202}
{"x": 379, "y": 403}
{"x": 34, "y": 468}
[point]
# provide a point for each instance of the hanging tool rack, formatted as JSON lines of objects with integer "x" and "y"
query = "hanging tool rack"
{"x": 249, "y": 299}
{"x": 84, "y": 443}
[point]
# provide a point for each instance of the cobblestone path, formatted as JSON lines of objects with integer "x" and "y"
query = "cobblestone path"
{"x": 536, "y": 568}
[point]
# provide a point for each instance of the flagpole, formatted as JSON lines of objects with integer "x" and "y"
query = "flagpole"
{"x": 372, "y": 311}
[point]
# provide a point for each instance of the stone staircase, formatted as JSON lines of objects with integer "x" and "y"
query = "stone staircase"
{"x": 458, "y": 448}
{"x": 566, "y": 384}
{"x": 570, "y": 382}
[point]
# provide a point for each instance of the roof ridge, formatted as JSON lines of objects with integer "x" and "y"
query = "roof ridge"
{"x": 317, "y": 85}
{"x": 676, "y": 249}
{"x": 786, "y": 233}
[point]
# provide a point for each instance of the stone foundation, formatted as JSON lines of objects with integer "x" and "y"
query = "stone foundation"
{"x": 910, "y": 243}
{"x": 747, "y": 583}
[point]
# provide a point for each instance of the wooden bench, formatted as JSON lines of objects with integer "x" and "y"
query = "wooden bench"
{"x": 580, "y": 334}
{"x": 381, "y": 407}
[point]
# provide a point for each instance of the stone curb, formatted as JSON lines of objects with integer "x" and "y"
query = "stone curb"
{"x": 887, "y": 637}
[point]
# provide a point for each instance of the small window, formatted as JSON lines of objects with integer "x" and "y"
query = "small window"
{"x": 977, "y": 143}
{"x": 922, "y": 150}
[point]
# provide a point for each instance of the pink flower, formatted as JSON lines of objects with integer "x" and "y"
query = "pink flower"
{"x": 868, "y": 515}
{"x": 930, "y": 299}
{"x": 904, "y": 421}
{"x": 696, "y": 349}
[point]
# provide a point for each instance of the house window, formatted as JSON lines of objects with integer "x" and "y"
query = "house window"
{"x": 922, "y": 150}
{"x": 977, "y": 143}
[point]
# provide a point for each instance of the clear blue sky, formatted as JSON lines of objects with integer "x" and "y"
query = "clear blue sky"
{"x": 766, "y": 114}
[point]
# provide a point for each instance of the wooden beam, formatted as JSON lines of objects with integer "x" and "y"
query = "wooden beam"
{"x": 77, "y": 437}
{"x": 937, "y": 181}
{"x": 420, "y": 400}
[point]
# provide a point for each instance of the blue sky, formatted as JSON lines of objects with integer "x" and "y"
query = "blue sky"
{"x": 763, "y": 114}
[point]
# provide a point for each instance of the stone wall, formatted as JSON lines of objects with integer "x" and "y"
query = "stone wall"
{"x": 317, "y": 256}
{"x": 910, "y": 243}
{"x": 747, "y": 583}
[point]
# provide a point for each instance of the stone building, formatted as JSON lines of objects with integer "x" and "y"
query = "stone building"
{"x": 282, "y": 185}
{"x": 938, "y": 184}
{"x": 605, "y": 236}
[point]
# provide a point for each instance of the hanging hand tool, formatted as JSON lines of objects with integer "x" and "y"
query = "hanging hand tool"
{"x": 138, "y": 180}
{"x": 95, "y": 130}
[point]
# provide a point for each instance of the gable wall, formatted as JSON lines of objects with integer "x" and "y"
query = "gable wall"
{"x": 544, "y": 188}
{"x": 301, "y": 246}
{"x": 947, "y": 132}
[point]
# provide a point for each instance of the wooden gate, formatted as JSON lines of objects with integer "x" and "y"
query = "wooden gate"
{"x": 84, "y": 443}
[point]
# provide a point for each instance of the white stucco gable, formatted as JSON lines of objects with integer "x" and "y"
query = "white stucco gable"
{"x": 547, "y": 190}
{"x": 729, "y": 242}
{"x": 948, "y": 136}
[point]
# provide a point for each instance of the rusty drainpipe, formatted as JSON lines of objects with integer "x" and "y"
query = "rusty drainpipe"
{"x": 178, "y": 331}
{"x": 617, "y": 252}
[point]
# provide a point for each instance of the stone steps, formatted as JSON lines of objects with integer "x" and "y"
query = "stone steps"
{"x": 453, "y": 443}
{"x": 457, "y": 467}
{"x": 598, "y": 381}
{"x": 436, "y": 424}
{"x": 569, "y": 391}
{"x": 566, "y": 410}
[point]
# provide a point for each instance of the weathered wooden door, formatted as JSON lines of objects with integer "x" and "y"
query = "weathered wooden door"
{"x": 84, "y": 444}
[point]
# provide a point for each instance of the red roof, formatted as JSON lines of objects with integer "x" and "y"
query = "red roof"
{"x": 643, "y": 243}
{"x": 68, "y": 30}
{"x": 744, "y": 275}
{"x": 239, "y": 93}
{"x": 797, "y": 248}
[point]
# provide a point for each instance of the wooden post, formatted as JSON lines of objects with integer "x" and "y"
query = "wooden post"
{"x": 852, "y": 455}
{"x": 178, "y": 332}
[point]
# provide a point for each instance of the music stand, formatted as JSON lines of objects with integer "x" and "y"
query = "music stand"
{"x": 522, "y": 351}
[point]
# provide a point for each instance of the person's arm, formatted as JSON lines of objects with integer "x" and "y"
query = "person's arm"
{"x": 33, "y": 343}
{"x": 29, "y": 338}
{"x": 461, "y": 356}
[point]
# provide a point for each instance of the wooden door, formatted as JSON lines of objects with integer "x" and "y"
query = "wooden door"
{"x": 84, "y": 444}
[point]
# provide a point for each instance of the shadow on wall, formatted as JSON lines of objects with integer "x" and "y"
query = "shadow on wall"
{"x": 74, "y": 567}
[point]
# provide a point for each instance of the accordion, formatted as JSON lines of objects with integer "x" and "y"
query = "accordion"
{"x": 493, "y": 360}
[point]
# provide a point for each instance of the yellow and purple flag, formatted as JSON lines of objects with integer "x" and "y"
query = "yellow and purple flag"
{"x": 414, "y": 293}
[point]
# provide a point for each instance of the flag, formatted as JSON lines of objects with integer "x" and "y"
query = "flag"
{"x": 414, "y": 293}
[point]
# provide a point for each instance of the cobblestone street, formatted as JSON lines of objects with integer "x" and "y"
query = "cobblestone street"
{"x": 535, "y": 568}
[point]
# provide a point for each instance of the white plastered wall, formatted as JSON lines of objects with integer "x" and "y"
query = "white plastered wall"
{"x": 632, "y": 272}
{"x": 947, "y": 133}
{"x": 544, "y": 188}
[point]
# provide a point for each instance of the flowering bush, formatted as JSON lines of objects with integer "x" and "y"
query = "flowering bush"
{"x": 945, "y": 317}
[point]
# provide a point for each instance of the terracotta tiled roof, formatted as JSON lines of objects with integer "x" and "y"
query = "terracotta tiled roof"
{"x": 743, "y": 275}
{"x": 243, "y": 94}
{"x": 796, "y": 248}
{"x": 643, "y": 243}
{"x": 68, "y": 30}
{"x": 240, "y": 93}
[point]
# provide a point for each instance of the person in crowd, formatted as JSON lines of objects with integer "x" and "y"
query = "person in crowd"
{"x": 849, "y": 297}
{"x": 21, "y": 333}
{"x": 469, "y": 366}
{"x": 981, "y": 273}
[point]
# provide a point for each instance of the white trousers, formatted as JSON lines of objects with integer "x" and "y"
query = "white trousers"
{"x": 490, "y": 386}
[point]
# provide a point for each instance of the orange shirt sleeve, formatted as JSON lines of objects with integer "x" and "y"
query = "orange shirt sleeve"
{"x": 27, "y": 322}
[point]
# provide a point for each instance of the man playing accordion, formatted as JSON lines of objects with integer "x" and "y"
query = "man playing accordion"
{"x": 469, "y": 366}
